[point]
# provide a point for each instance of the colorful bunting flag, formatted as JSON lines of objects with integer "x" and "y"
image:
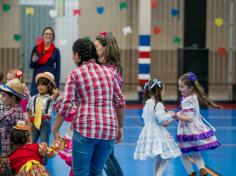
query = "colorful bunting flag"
{"x": 6, "y": 7}
{"x": 29, "y": 11}
{"x": 219, "y": 22}
{"x": 123, "y": 5}
{"x": 100, "y": 10}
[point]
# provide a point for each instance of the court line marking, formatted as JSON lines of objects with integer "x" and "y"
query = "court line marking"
{"x": 132, "y": 143}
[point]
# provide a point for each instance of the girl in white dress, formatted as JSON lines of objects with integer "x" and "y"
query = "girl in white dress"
{"x": 193, "y": 134}
{"x": 154, "y": 140}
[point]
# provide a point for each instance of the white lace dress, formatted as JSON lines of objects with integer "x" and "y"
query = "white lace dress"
{"x": 154, "y": 138}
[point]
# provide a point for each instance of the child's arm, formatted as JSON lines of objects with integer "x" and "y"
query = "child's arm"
{"x": 163, "y": 117}
{"x": 183, "y": 117}
{"x": 55, "y": 94}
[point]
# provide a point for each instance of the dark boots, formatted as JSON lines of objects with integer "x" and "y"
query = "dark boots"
{"x": 203, "y": 172}
{"x": 193, "y": 174}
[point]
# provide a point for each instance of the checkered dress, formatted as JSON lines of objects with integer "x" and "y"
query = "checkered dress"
{"x": 8, "y": 119}
{"x": 94, "y": 89}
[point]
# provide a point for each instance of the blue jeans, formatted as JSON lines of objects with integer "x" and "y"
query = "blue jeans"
{"x": 89, "y": 155}
{"x": 43, "y": 132}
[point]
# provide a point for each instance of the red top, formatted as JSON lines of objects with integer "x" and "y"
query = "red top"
{"x": 24, "y": 154}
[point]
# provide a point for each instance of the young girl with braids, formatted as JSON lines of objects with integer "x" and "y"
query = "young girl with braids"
{"x": 154, "y": 140}
{"x": 26, "y": 158}
{"x": 193, "y": 134}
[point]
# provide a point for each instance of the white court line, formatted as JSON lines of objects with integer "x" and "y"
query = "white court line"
{"x": 217, "y": 127}
{"x": 132, "y": 143}
{"x": 212, "y": 117}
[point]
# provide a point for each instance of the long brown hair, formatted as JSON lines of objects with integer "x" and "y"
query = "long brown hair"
{"x": 188, "y": 80}
{"x": 112, "y": 51}
{"x": 155, "y": 90}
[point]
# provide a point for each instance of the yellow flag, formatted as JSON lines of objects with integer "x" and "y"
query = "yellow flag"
{"x": 29, "y": 11}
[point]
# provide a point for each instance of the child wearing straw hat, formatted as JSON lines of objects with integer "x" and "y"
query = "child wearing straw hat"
{"x": 40, "y": 107}
{"x": 26, "y": 158}
{"x": 12, "y": 92}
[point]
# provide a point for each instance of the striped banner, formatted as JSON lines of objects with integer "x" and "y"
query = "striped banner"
{"x": 144, "y": 59}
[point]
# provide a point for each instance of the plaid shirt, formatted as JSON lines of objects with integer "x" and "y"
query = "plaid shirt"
{"x": 93, "y": 88}
{"x": 46, "y": 98}
{"x": 1, "y": 104}
{"x": 8, "y": 119}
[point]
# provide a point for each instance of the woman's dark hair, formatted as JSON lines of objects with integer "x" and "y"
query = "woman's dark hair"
{"x": 45, "y": 82}
{"x": 1, "y": 77}
{"x": 86, "y": 50}
{"x": 50, "y": 28}
{"x": 19, "y": 137}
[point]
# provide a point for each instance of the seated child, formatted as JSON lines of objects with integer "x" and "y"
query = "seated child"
{"x": 26, "y": 158}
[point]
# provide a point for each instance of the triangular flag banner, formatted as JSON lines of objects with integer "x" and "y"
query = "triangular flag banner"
{"x": 123, "y": 5}
{"x": 100, "y": 10}
{"x": 29, "y": 11}
{"x": 154, "y": 4}
{"x": 219, "y": 22}
{"x": 17, "y": 37}
{"x": 156, "y": 30}
{"x": 6, "y": 7}
{"x": 53, "y": 13}
{"x": 127, "y": 30}
{"x": 177, "y": 40}
{"x": 60, "y": 8}
{"x": 221, "y": 51}
{"x": 174, "y": 12}
{"x": 76, "y": 12}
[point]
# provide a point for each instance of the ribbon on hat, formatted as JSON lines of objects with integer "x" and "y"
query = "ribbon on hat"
{"x": 156, "y": 82}
{"x": 192, "y": 77}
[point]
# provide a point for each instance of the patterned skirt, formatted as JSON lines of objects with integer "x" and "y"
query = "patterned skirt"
{"x": 33, "y": 168}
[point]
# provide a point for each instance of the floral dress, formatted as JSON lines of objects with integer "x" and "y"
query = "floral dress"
{"x": 195, "y": 135}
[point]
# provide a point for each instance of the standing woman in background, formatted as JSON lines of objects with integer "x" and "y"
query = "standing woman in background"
{"x": 109, "y": 55}
{"x": 45, "y": 57}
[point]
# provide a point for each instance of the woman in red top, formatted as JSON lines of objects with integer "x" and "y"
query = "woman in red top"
{"x": 26, "y": 158}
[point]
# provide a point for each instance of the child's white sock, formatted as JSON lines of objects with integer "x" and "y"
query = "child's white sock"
{"x": 162, "y": 167}
{"x": 186, "y": 163}
{"x": 198, "y": 160}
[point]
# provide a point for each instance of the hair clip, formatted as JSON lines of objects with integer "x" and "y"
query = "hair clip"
{"x": 146, "y": 85}
{"x": 19, "y": 74}
{"x": 156, "y": 82}
{"x": 103, "y": 33}
{"x": 192, "y": 77}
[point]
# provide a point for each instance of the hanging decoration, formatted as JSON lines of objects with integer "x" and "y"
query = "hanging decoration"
{"x": 156, "y": 30}
{"x": 53, "y": 13}
{"x": 219, "y": 22}
{"x": 76, "y": 12}
{"x": 174, "y": 12}
{"x": 221, "y": 51}
{"x": 177, "y": 40}
{"x": 17, "y": 37}
{"x": 100, "y": 10}
{"x": 123, "y": 5}
{"x": 29, "y": 11}
{"x": 6, "y": 7}
{"x": 127, "y": 30}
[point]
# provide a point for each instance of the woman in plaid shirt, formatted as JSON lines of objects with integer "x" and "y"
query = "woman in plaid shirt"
{"x": 94, "y": 89}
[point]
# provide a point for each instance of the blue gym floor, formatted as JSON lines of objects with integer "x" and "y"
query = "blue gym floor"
{"x": 222, "y": 159}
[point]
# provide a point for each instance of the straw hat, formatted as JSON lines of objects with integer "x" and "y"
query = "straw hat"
{"x": 15, "y": 87}
{"x": 49, "y": 76}
{"x": 21, "y": 125}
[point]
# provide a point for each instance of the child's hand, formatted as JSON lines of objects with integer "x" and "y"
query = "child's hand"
{"x": 55, "y": 94}
{"x": 166, "y": 123}
{"x": 177, "y": 115}
{"x": 171, "y": 113}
